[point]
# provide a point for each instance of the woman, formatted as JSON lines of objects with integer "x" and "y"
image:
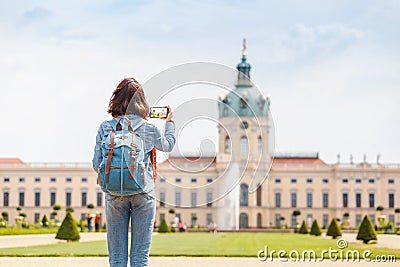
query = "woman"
{"x": 128, "y": 100}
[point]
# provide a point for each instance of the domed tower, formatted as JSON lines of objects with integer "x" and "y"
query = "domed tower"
{"x": 244, "y": 113}
{"x": 243, "y": 159}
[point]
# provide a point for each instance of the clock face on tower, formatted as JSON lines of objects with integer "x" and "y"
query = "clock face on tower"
{"x": 244, "y": 125}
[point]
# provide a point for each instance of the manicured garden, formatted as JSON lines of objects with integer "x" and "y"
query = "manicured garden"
{"x": 203, "y": 244}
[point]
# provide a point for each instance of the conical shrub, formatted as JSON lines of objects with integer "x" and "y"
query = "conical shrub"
{"x": 315, "y": 229}
{"x": 366, "y": 232}
{"x": 334, "y": 229}
{"x": 68, "y": 229}
{"x": 303, "y": 228}
{"x": 164, "y": 227}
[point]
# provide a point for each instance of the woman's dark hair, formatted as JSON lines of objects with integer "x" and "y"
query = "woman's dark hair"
{"x": 128, "y": 98}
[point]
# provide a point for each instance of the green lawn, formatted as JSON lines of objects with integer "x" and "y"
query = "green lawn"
{"x": 202, "y": 244}
{"x": 19, "y": 231}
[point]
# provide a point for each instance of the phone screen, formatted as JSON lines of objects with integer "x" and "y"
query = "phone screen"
{"x": 158, "y": 112}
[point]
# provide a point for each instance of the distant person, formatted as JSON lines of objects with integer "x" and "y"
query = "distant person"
{"x": 212, "y": 227}
{"x": 97, "y": 220}
{"x": 176, "y": 221}
{"x": 182, "y": 227}
{"x": 128, "y": 105}
{"x": 89, "y": 222}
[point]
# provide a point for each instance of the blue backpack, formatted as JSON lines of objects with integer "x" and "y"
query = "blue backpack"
{"x": 122, "y": 170}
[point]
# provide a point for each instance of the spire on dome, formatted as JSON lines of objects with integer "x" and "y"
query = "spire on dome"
{"x": 244, "y": 68}
{"x": 244, "y": 48}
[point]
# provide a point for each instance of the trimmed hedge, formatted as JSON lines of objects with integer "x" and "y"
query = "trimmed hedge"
{"x": 68, "y": 229}
{"x": 303, "y": 228}
{"x": 164, "y": 228}
{"x": 366, "y": 232}
{"x": 315, "y": 229}
{"x": 334, "y": 229}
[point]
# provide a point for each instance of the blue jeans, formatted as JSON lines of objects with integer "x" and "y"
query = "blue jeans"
{"x": 140, "y": 210}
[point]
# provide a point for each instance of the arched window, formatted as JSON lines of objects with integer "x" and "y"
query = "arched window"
{"x": 259, "y": 144}
{"x": 243, "y": 220}
{"x": 259, "y": 220}
{"x": 227, "y": 144}
{"x": 244, "y": 195}
{"x": 243, "y": 144}
{"x": 259, "y": 191}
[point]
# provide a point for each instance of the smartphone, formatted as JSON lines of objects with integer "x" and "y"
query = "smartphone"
{"x": 158, "y": 112}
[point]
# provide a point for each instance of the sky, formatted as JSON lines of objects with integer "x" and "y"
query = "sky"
{"x": 331, "y": 69}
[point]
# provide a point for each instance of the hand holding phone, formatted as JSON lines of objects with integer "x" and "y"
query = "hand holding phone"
{"x": 159, "y": 112}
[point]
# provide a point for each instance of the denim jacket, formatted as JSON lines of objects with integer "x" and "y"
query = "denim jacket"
{"x": 150, "y": 135}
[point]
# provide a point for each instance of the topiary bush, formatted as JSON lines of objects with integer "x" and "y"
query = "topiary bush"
{"x": 56, "y": 207}
{"x": 334, "y": 229}
{"x": 303, "y": 228}
{"x": 68, "y": 229}
{"x": 366, "y": 232}
{"x": 69, "y": 209}
{"x": 82, "y": 225}
{"x": 4, "y": 214}
{"x": 164, "y": 228}
{"x": 315, "y": 229}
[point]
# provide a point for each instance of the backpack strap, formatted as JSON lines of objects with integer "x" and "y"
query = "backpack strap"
{"x": 118, "y": 127}
{"x": 133, "y": 155}
{"x": 153, "y": 153}
{"x": 133, "y": 145}
{"x": 110, "y": 154}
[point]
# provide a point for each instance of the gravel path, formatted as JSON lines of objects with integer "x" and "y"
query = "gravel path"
{"x": 12, "y": 241}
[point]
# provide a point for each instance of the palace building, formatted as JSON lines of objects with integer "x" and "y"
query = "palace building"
{"x": 227, "y": 187}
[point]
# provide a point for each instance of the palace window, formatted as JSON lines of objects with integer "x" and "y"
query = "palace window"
{"x": 345, "y": 199}
{"x": 227, "y": 145}
{"x": 325, "y": 200}
{"x": 371, "y": 197}
{"x": 358, "y": 200}
{"x": 244, "y": 195}
{"x": 277, "y": 199}
{"x": 243, "y": 144}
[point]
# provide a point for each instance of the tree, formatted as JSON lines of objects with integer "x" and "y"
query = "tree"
{"x": 82, "y": 225}
{"x": 4, "y": 214}
{"x": 366, "y": 232}
{"x": 315, "y": 229}
{"x": 334, "y": 229}
{"x": 164, "y": 228}
{"x": 397, "y": 211}
{"x": 68, "y": 229}
{"x": 69, "y": 209}
{"x": 303, "y": 229}
{"x": 45, "y": 221}
{"x": 56, "y": 208}
{"x": 90, "y": 206}
{"x": 171, "y": 211}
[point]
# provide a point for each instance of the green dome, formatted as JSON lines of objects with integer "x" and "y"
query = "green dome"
{"x": 245, "y": 100}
